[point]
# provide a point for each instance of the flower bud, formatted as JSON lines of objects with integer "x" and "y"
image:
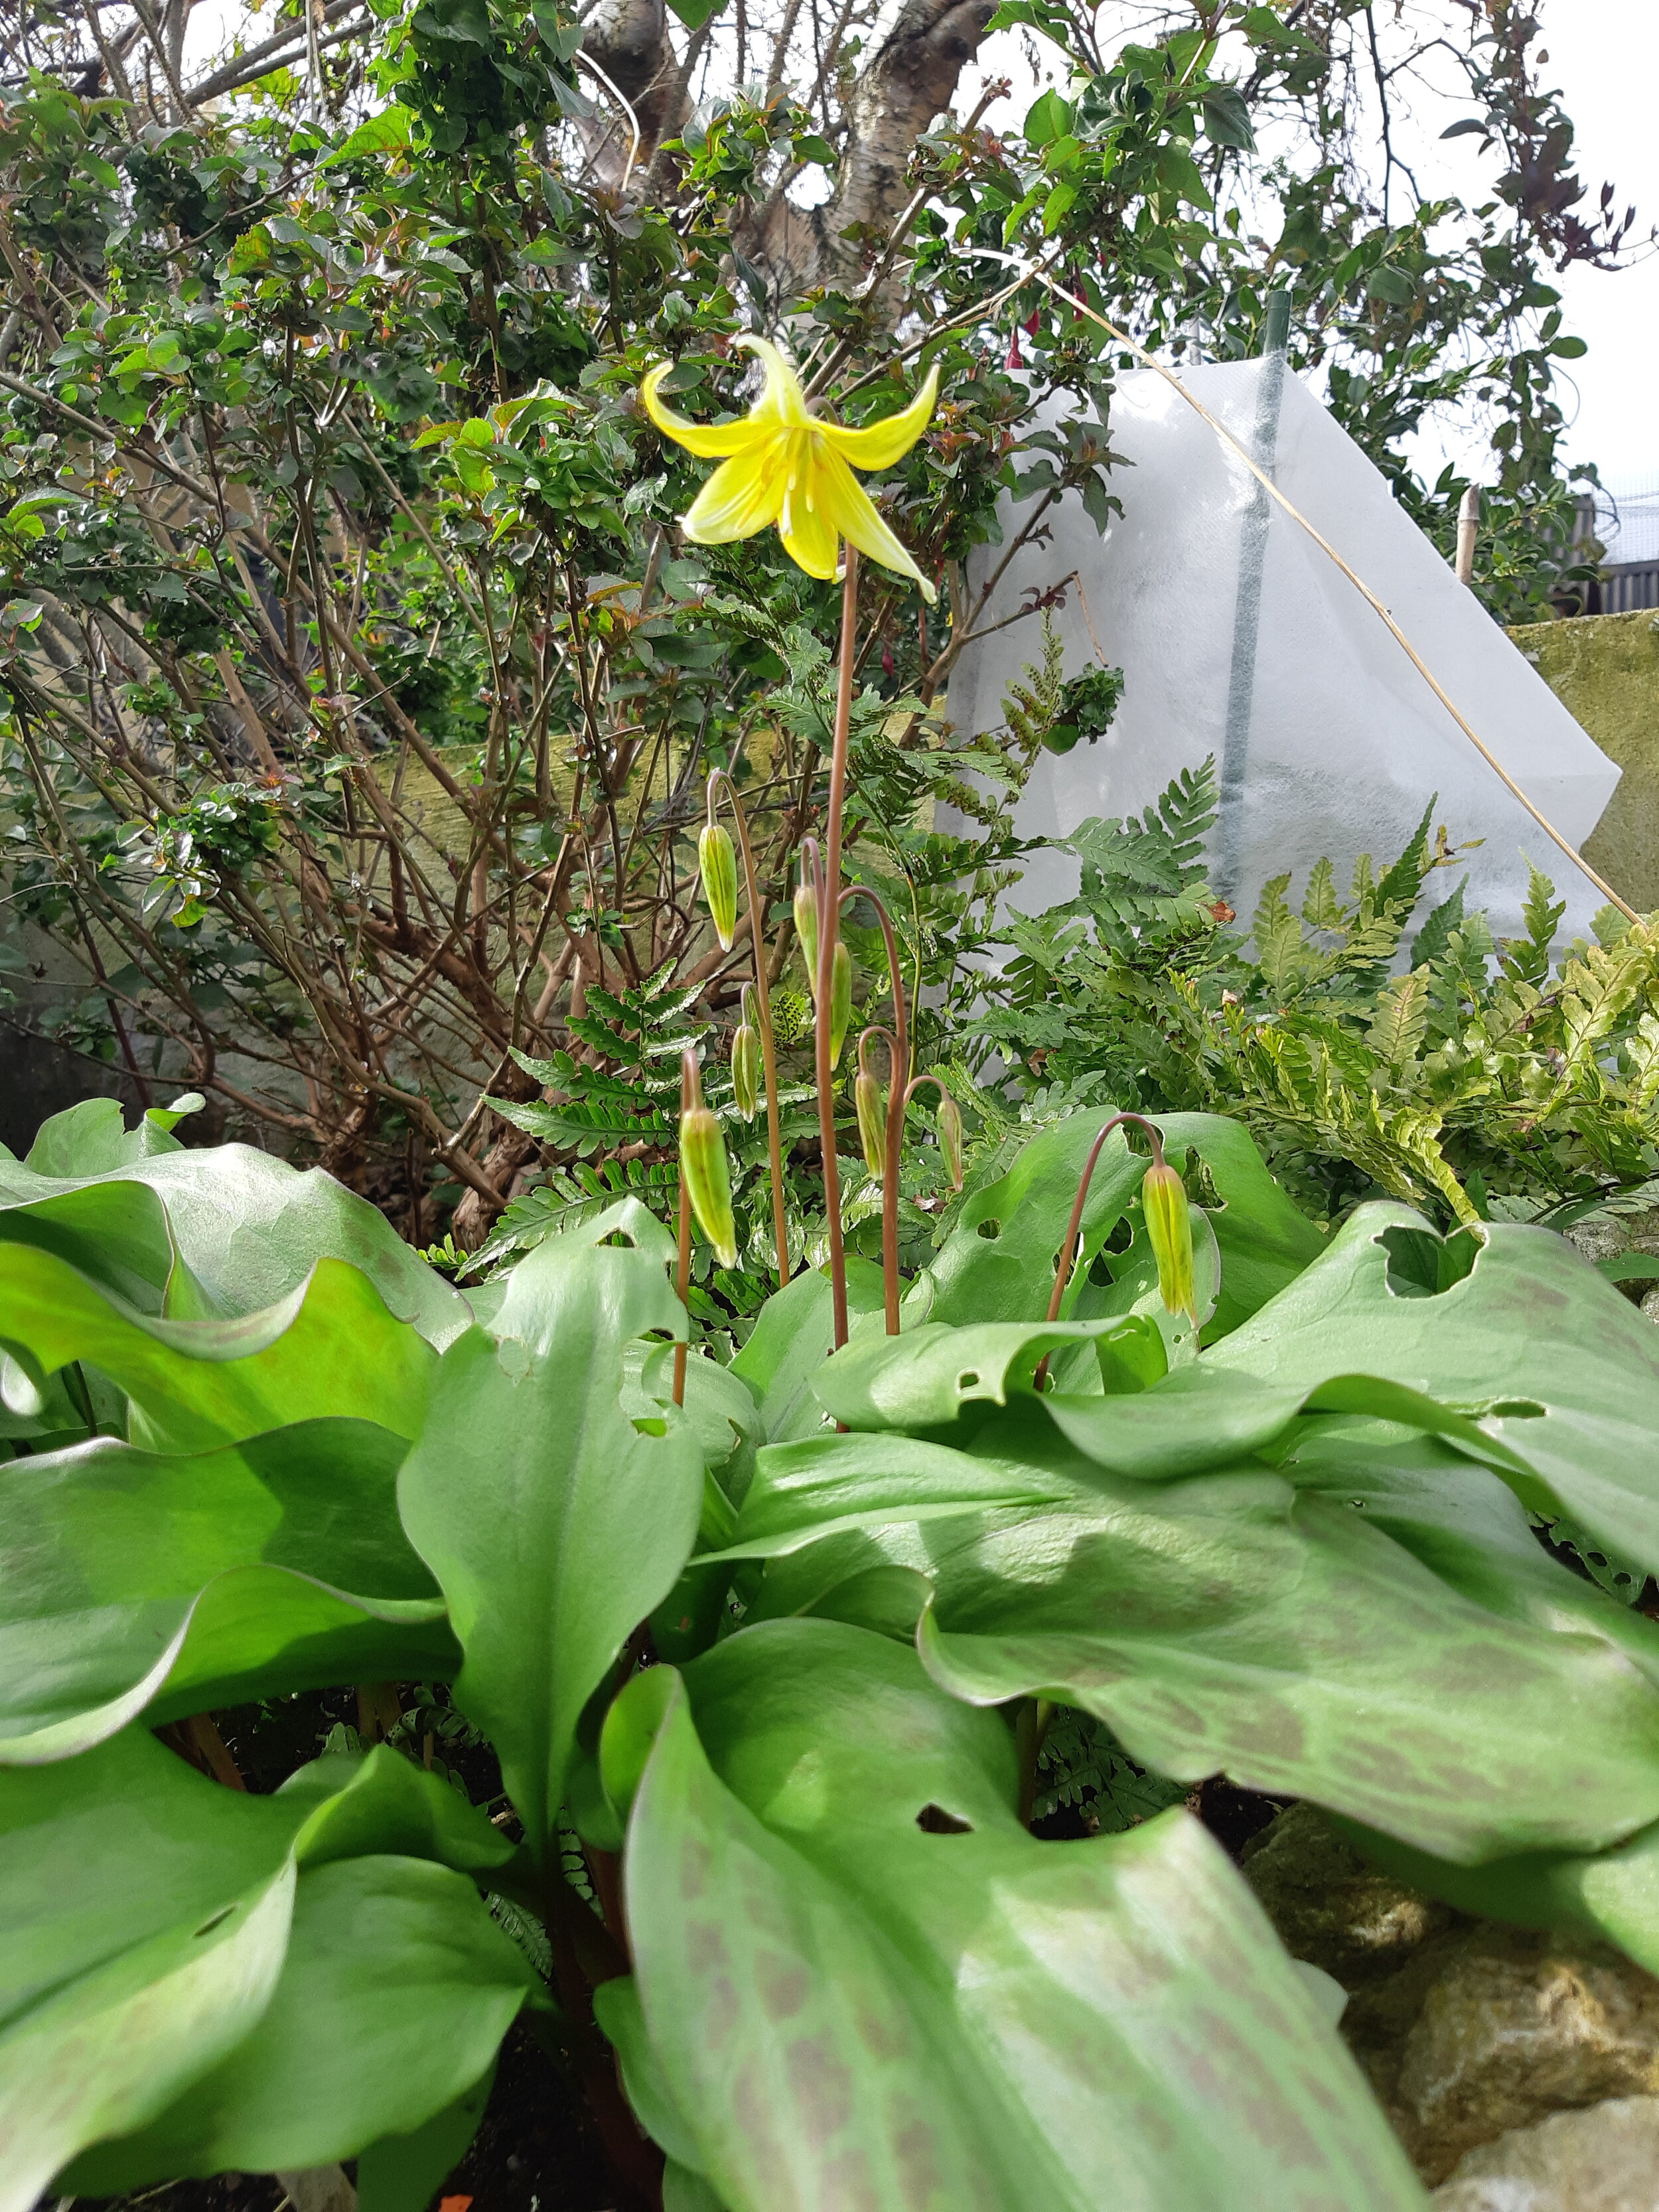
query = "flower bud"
{"x": 1170, "y": 1233}
{"x": 840, "y": 999}
{"x": 708, "y": 1180}
{"x": 718, "y": 862}
{"x": 872, "y": 1122}
{"x": 806, "y": 928}
{"x": 950, "y": 1136}
{"x": 746, "y": 1069}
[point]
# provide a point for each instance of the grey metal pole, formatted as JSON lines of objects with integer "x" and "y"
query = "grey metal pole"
{"x": 1247, "y": 609}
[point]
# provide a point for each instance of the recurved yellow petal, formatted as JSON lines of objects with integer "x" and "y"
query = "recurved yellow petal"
{"x": 782, "y": 400}
{"x": 803, "y": 520}
{"x": 710, "y": 441}
{"x": 847, "y": 507}
{"x": 879, "y": 445}
{"x": 742, "y": 496}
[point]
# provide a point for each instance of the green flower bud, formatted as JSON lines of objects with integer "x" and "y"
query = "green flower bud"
{"x": 950, "y": 1136}
{"x": 806, "y": 928}
{"x": 840, "y": 999}
{"x": 746, "y": 1069}
{"x": 718, "y": 862}
{"x": 1170, "y": 1233}
{"x": 708, "y": 1180}
{"x": 872, "y": 1122}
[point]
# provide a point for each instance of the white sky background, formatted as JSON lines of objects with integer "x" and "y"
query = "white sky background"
{"x": 1604, "y": 57}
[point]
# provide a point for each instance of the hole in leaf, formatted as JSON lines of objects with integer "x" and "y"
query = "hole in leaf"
{"x": 1422, "y": 1265}
{"x": 648, "y": 1426}
{"x": 214, "y": 1920}
{"x": 934, "y": 1820}
{"x": 968, "y": 1379}
{"x": 1513, "y": 1409}
{"x": 990, "y": 1229}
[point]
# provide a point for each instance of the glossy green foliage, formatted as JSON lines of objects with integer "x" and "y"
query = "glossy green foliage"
{"x": 554, "y": 1522}
{"x": 1291, "y": 1546}
{"x": 823, "y": 1988}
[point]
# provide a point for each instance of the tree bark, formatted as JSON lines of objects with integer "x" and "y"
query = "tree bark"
{"x": 910, "y": 80}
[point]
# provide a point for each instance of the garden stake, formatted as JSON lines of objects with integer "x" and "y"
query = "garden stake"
{"x": 763, "y": 1003}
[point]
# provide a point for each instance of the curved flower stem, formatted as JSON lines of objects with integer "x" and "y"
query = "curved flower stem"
{"x": 896, "y": 1101}
{"x": 829, "y": 902}
{"x": 764, "y": 1000}
{"x": 1069, "y": 1249}
{"x": 898, "y": 1070}
{"x": 689, "y": 1090}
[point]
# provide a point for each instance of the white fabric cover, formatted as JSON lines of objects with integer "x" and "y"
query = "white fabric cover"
{"x": 1337, "y": 742}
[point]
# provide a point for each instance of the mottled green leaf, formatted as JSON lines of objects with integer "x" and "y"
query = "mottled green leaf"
{"x": 1559, "y": 1374}
{"x": 844, "y": 2007}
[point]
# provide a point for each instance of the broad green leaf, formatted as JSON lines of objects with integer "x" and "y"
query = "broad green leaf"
{"x": 1571, "y": 1432}
{"x": 793, "y": 1336}
{"x": 1229, "y": 1623}
{"x": 114, "y": 2049}
{"x": 92, "y": 1138}
{"x": 144, "y": 1917}
{"x": 553, "y": 1522}
{"x": 328, "y": 1348}
{"x": 132, "y": 1583}
{"x": 115, "y": 1233}
{"x": 403, "y": 2173}
{"x": 384, "y": 133}
{"x": 122, "y": 1874}
{"x": 248, "y": 1227}
{"x": 395, "y": 1992}
{"x": 1466, "y": 1525}
{"x": 803, "y": 1492}
{"x": 926, "y": 1378}
{"x": 842, "y": 2007}
{"x": 112, "y": 1849}
{"x": 999, "y": 1262}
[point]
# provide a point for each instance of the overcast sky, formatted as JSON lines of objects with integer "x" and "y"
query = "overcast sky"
{"x": 1604, "y": 57}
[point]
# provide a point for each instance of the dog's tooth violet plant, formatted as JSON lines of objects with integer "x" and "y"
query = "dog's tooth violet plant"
{"x": 761, "y": 1648}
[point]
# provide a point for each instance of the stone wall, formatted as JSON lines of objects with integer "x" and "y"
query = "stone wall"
{"x": 1605, "y": 671}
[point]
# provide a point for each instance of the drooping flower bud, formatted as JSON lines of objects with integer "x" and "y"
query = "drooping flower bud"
{"x": 1170, "y": 1233}
{"x": 806, "y": 928}
{"x": 708, "y": 1180}
{"x": 718, "y": 862}
{"x": 841, "y": 999}
{"x": 950, "y": 1136}
{"x": 746, "y": 1068}
{"x": 872, "y": 1122}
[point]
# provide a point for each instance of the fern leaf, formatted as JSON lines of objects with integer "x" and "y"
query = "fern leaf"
{"x": 1397, "y": 1029}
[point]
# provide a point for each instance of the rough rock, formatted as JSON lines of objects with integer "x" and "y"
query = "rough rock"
{"x": 1466, "y": 2030}
{"x": 1331, "y": 1907}
{"x": 1602, "y": 2159}
{"x": 319, "y": 2189}
{"x": 1603, "y": 1237}
{"x": 1650, "y": 1303}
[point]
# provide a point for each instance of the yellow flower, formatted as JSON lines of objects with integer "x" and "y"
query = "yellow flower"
{"x": 784, "y": 465}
